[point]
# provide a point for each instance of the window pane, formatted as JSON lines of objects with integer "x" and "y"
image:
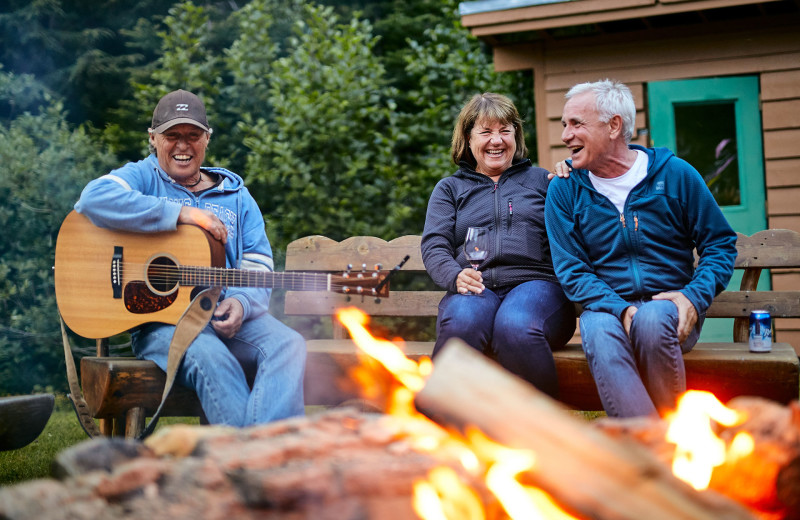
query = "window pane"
{"x": 706, "y": 138}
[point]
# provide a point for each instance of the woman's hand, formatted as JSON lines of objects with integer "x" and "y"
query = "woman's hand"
{"x": 469, "y": 280}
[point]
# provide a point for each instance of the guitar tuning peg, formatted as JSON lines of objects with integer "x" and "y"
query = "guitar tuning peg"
{"x": 349, "y": 267}
{"x": 378, "y": 267}
{"x": 377, "y": 300}
{"x": 363, "y": 268}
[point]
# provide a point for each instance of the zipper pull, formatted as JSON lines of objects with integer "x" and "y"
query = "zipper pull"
{"x": 622, "y": 219}
{"x": 495, "y": 187}
{"x": 635, "y": 223}
{"x": 510, "y": 213}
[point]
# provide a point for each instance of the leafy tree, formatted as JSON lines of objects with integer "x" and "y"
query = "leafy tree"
{"x": 186, "y": 61}
{"x": 261, "y": 28}
{"x": 340, "y": 120}
{"x": 324, "y": 161}
{"x": 77, "y": 49}
{"x": 45, "y": 164}
{"x": 444, "y": 67}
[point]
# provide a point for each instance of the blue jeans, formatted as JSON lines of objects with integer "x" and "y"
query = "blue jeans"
{"x": 519, "y": 326}
{"x": 642, "y": 374}
{"x": 213, "y": 366}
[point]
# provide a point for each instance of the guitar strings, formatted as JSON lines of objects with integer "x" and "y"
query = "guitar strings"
{"x": 174, "y": 274}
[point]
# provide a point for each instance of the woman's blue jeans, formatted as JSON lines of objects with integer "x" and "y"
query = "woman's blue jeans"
{"x": 213, "y": 367}
{"x": 519, "y": 326}
{"x": 642, "y": 374}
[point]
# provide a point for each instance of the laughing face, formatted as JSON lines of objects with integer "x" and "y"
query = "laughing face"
{"x": 181, "y": 151}
{"x": 588, "y": 138}
{"x": 493, "y": 145}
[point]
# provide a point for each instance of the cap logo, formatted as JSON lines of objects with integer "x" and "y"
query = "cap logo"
{"x": 179, "y": 107}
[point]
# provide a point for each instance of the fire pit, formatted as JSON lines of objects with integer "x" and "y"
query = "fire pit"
{"x": 495, "y": 449}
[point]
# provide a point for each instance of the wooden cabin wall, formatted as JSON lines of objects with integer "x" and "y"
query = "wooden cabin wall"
{"x": 771, "y": 51}
{"x": 780, "y": 120}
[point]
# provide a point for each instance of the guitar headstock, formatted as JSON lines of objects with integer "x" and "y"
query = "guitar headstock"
{"x": 362, "y": 283}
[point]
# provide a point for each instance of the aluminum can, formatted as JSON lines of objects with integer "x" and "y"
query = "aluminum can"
{"x": 760, "y": 331}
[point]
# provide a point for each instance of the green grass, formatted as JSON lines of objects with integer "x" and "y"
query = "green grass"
{"x": 62, "y": 431}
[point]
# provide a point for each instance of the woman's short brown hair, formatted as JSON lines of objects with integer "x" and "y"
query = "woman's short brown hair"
{"x": 486, "y": 107}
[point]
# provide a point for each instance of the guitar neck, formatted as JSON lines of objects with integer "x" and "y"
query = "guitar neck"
{"x": 222, "y": 277}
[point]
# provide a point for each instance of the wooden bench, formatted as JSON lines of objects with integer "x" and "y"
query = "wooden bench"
{"x": 726, "y": 369}
{"x": 123, "y": 391}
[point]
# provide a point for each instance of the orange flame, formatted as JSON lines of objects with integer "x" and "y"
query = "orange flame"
{"x": 445, "y": 495}
{"x": 698, "y": 449}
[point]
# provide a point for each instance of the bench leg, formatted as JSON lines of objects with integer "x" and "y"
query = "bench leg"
{"x": 107, "y": 427}
{"x": 134, "y": 422}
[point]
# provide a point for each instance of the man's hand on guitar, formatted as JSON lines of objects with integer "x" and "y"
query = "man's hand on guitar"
{"x": 227, "y": 318}
{"x": 206, "y": 220}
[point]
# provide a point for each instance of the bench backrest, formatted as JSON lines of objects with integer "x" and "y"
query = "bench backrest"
{"x": 319, "y": 253}
{"x": 769, "y": 249}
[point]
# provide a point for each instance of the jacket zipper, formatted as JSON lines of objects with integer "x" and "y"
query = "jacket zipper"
{"x": 629, "y": 242}
{"x": 510, "y": 214}
{"x": 497, "y": 221}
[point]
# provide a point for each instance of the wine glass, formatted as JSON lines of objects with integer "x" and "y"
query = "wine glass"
{"x": 476, "y": 245}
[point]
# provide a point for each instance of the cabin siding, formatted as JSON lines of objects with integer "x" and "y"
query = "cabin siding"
{"x": 780, "y": 103}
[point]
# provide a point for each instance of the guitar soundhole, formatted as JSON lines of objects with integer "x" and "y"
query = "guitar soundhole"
{"x": 163, "y": 275}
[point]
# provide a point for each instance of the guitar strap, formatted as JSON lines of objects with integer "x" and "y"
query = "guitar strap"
{"x": 75, "y": 395}
{"x": 192, "y": 321}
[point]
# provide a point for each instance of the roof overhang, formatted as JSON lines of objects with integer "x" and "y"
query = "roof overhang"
{"x": 495, "y": 18}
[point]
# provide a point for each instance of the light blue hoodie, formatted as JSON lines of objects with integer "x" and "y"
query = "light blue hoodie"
{"x": 141, "y": 197}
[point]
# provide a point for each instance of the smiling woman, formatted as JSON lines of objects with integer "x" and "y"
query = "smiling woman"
{"x": 511, "y": 306}
{"x": 493, "y": 147}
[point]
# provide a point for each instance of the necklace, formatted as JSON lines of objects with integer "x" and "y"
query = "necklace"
{"x": 199, "y": 179}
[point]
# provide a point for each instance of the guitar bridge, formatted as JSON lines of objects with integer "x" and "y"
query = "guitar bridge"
{"x": 116, "y": 272}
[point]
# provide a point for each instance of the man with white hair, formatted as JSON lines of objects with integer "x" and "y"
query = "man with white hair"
{"x": 622, "y": 228}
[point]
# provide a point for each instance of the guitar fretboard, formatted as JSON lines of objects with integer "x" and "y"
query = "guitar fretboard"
{"x": 222, "y": 277}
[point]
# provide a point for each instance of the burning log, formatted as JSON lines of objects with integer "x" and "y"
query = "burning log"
{"x": 586, "y": 471}
{"x": 336, "y": 465}
{"x": 767, "y": 480}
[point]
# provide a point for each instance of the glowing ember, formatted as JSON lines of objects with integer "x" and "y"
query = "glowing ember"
{"x": 445, "y": 495}
{"x": 698, "y": 449}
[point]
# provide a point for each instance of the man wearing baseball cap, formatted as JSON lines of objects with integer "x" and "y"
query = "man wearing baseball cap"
{"x": 171, "y": 187}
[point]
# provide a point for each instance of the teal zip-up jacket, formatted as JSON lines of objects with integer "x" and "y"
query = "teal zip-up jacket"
{"x": 605, "y": 259}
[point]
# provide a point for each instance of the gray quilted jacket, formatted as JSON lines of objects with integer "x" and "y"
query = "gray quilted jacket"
{"x": 513, "y": 209}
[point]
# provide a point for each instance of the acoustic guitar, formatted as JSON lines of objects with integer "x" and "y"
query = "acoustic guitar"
{"x": 110, "y": 281}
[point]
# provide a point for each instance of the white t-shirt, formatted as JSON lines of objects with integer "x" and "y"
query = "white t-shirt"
{"x": 618, "y": 188}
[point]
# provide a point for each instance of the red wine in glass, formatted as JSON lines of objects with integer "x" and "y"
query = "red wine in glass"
{"x": 476, "y": 245}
